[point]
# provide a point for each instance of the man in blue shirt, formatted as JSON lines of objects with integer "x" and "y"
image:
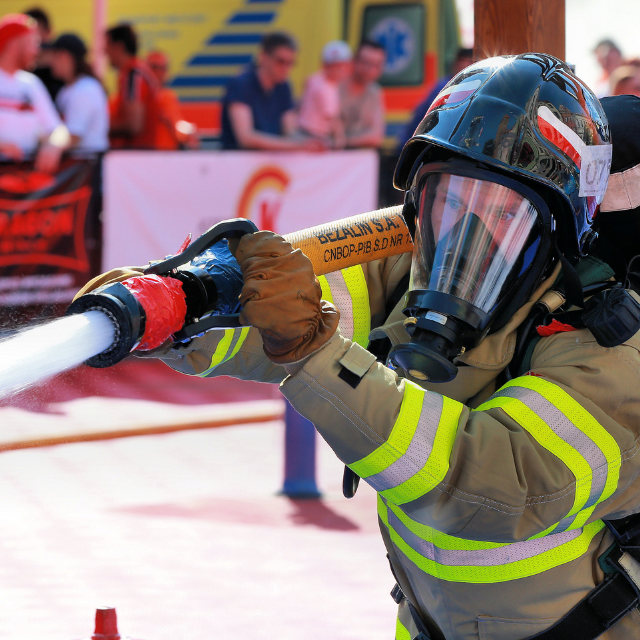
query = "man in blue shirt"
{"x": 258, "y": 109}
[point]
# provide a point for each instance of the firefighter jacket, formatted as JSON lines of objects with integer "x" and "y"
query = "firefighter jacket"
{"x": 490, "y": 500}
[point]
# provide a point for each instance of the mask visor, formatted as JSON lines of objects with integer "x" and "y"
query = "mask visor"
{"x": 470, "y": 235}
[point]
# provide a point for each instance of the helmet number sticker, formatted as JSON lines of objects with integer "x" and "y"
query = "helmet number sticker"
{"x": 593, "y": 161}
{"x": 594, "y": 173}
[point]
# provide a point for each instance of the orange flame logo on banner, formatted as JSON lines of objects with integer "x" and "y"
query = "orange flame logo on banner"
{"x": 261, "y": 197}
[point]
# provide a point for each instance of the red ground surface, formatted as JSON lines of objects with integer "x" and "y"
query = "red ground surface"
{"x": 184, "y": 533}
{"x": 140, "y": 379}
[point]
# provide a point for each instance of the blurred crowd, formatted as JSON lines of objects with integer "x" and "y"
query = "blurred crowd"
{"x": 341, "y": 105}
{"x": 619, "y": 75}
{"x": 52, "y": 102}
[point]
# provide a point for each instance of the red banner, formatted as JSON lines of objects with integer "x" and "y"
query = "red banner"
{"x": 49, "y": 235}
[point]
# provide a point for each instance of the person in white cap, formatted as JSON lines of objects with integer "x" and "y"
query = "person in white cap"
{"x": 319, "y": 115}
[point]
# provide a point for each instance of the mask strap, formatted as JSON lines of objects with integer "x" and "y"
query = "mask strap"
{"x": 410, "y": 213}
{"x": 632, "y": 277}
{"x": 571, "y": 282}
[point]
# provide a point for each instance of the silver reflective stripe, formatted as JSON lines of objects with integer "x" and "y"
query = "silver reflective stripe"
{"x": 232, "y": 340}
{"x": 481, "y": 557}
{"x": 237, "y": 335}
{"x": 565, "y": 429}
{"x": 342, "y": 300}
{"x": 419, "y": 448}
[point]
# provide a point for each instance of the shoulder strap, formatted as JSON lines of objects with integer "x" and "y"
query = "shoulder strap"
{"x": 588, "y": 276}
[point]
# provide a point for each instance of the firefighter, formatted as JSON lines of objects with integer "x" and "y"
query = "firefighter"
{"x": 468, "y": 382}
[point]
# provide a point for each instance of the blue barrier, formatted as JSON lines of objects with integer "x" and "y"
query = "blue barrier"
{"x": 299, "y": 456}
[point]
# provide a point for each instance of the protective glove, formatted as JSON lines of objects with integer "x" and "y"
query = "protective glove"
{"x": 281, "y": 297}
{"x": 109, "y": 277}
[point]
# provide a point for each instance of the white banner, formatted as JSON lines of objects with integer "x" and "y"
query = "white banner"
{"x": 153, "y": 200}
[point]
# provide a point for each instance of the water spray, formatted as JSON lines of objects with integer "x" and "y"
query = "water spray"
{"x": 182, "y": 297}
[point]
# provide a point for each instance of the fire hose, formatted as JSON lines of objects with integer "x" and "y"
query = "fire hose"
{"x": 181, "y": 292}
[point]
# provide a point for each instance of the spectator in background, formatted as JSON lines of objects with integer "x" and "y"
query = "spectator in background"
{"x": 609, "y": 58}
{"x": 319, "y": 115}
{"x": 258, "y": 109}
{"x": 43, "y": 61}
{"x": 464, "y": 57}
{"x": 626, "y": 79}
{"x": 29, "y": 123}
{"x": 135, "y": 108}
{"x": 361, "y": 102}
{"x": 82, "y": 101}
{"x": 174, "y": 132}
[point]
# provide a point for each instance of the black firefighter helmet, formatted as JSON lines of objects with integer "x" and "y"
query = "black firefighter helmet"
{"x": 506, "y": 170}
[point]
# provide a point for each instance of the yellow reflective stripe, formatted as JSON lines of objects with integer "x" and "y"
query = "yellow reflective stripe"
{"x": 399, "y": 438}
{"x": 347, "y": 290}
{"x": 326, "y": 289}
{"x": 582, "y": 517}
{"x": 491, "y": 562}
{"x": 584, "y": 421}
{"x": 243, "y": 336}
{"x": 441, "y": 540}
{"x": 221, "y": 354}
{"x": 545, "y": 436}
{"x": 357, "y": 285}
{"x": 437, "y": 466}
{"x": 402, "y": 633}
{"x": 577, "y": 429}
{"x": 412, "y": 480}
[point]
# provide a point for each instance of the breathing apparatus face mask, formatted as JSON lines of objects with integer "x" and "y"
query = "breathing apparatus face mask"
{"x": 481, "y": 244}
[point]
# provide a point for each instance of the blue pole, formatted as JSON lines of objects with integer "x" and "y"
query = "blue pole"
{"x": 299, "y": 456}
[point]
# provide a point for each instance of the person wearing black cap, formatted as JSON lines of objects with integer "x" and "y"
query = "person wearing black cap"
{"x": 43, "y": 61}
{"x": 82, "y": 101}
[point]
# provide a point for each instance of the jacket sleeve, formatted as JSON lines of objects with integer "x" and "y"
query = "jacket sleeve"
{"x": 227, "y": 352}
{"x": 358, "y": 292}
{"x": 548, "y": 452}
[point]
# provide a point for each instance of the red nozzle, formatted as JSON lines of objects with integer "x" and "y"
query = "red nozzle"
{"x": 164, "y": 305}
{"x": 106, "y": 624}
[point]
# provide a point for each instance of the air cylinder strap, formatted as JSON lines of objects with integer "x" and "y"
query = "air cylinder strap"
{"x": 592, "y": 616}
{"x": 616, "y": 596}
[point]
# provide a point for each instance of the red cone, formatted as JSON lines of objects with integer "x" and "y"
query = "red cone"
{"x": 106, "y": 624}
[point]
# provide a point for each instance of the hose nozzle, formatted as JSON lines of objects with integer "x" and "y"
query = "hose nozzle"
{"x": 145, "y": 310}
{"x": 126, "y": 313}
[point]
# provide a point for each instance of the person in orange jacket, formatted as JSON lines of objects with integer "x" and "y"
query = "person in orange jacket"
{"x": 174, "y": 132}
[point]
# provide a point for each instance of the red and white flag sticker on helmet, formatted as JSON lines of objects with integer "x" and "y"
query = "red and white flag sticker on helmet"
{"x": 454, "y": 94}
{"x": 594, "y": 161}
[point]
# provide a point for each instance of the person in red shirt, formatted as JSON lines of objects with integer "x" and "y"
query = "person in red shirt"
{"x": 174, "y": 132}
{"x": 135, "y": 108}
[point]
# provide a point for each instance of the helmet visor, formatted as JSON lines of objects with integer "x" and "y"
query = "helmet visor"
{"x": 470, "y": 236}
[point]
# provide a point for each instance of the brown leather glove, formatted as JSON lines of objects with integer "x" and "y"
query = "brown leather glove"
{"x": 115, "y": 275}
{"x": 281, "y": 297}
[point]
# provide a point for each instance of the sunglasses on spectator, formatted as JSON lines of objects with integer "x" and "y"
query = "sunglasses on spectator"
{"x": 284, "y": 62}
